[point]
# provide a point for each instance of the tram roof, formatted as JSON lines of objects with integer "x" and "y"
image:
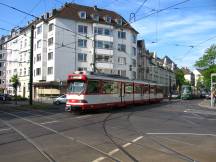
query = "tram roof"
{"x": 103, "y": 76}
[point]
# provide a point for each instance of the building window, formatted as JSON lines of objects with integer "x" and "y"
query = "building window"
{"x": 1, "y": 56}
{"x": 20, "y": 72}
{"x": 50, "y": 41}
{"x": 108, "y": 19}
{"x": 121, "y": 35}
{"x": 25, "y": 43}
{"x": 134, "y": 62}
{"x": 103, "y": 58}
{"x": 82, "y": 57}
{"x": 82, "y": 29}
{"x": 134, "y": 51}
{"x": 51, "y": 27}
{"x": 104, "y": 45}
{"x": 1, "y": 64}
{"x": 134, "y": 38}
{"x": 103, "y": 31}
{"x": 122, "y": 73}
{"x": 82, "y": 43}
{"x": 95, "y": 17}
{"x": 82, "y": 14}
{"x": 38, "y": 57}
{"x": 122, "y": 60}
{"x": 119, "y": 21}
{"x": 39, "y": 29}
{"x": 122, "y": 47}
{"x": 0, "y": 73}
{"x": 15, "y": 71}
{"x": 38, "y": 71}
{"x": 24, "y": 71}
{"x": 50, "y": 70}
{"x": 82, "y": 69}
{"x": 39, "y": 44}
{"x": 50, "y": 55}
{"x": 134, "y": 75}
{"x": 20, "y": 44}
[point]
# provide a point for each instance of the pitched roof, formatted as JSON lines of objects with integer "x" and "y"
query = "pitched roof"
{"x": 186, "y": 70}
{"x": 71, "y": 11}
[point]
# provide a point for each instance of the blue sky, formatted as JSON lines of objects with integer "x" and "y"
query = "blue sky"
{"x": 171, "y": 32}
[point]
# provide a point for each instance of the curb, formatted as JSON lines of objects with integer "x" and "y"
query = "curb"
{"x": 206, "y": 106}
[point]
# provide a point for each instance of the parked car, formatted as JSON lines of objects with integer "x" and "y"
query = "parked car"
{"x": 208, "y": 95}
{"x": 60, "y": 100}
{"x": 5, "y": 97}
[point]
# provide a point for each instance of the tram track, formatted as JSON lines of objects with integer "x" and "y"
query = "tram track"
{"x": 144, "y": 134}
{"x": 29, "y": 140}
{"x": 57, "y": 133}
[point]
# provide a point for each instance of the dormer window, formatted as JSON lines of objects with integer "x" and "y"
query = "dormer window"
{"x": 119, "y": 21}
{"x": 95, "y": 17}
{"x": 108, "y": 19}
{"x": 82, "y": 14}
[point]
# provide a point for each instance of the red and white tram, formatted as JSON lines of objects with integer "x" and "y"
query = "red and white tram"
{"x": 94, "y": 91}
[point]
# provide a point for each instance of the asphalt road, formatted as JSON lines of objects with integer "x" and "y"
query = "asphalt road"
{"x": 176, "y": 131}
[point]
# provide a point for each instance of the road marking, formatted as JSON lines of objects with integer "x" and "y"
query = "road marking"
{"x": 195, "y": 134}
{"x": 113, "y": 151}
{"x": 6, "y": 129}
{"x": 127, "y": 144}
{"x": 185, "y": 111}
{"x": 85, "y": 116}
{"x": 138, "y": 138}
{"x": 49, "y": 122}
{"x": 116, "y": 150}
{"x": 99, "y": 159}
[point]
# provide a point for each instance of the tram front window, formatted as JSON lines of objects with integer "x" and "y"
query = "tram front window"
{"x": 76, "y": 87}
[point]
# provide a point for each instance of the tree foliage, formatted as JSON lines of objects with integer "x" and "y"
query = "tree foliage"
{"x": 180, "y": 80}
{"x": 207, "y": 64}
{"x": 15, "y": 84}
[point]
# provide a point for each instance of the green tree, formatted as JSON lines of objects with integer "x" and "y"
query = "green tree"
{"x": 15, "y": 83}
{"x": 200, "y": 84}
{"x": 180, "y": 80}
{"x": 207, "y": 64}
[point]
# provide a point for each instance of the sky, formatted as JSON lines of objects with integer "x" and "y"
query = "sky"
{"x": 182, "y": 32}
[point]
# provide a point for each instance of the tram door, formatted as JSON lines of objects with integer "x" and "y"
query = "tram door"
{"x": 122, "y": 92}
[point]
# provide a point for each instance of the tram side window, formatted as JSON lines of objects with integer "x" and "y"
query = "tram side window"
{"x": 110, "y": 87}
{"x": 128, "y": 88}
{"x": 138, "y": 88}
{"x": 93, "y": 87}
{"x": 146, "y": 89}
{"x": 152, "y": 89}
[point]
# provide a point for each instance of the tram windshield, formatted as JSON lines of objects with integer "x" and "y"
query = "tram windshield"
{"x": 76, "y": 87}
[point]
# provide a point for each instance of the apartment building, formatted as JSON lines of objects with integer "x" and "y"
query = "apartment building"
{"x": 16, "y": 48}
{"x": 154, "y": 69}
{"x": 69, "y": 39}
{"x": 188, "y": 75}
{"x": 2, "y": 66}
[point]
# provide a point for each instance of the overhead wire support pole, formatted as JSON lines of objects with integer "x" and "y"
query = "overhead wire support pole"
{"x": 31, "y": 64}
{"x": 94, "y": 54}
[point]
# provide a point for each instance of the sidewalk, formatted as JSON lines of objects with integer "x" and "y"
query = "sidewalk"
{"x": 25, "y": 105}
{"x": 207, "y": 104}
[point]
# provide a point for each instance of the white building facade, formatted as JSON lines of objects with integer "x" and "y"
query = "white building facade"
{"x": 70, "y": 39}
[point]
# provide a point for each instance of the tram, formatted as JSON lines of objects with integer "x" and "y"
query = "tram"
{"x": 88, "y": 90}
{"x": 189, "y": 92}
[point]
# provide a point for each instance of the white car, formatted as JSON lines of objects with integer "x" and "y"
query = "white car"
{"x": 60, "y": 100}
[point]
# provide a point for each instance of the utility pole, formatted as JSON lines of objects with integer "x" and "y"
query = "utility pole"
{"x": 31, "y": 64}
{"x": 94, "y": 54}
